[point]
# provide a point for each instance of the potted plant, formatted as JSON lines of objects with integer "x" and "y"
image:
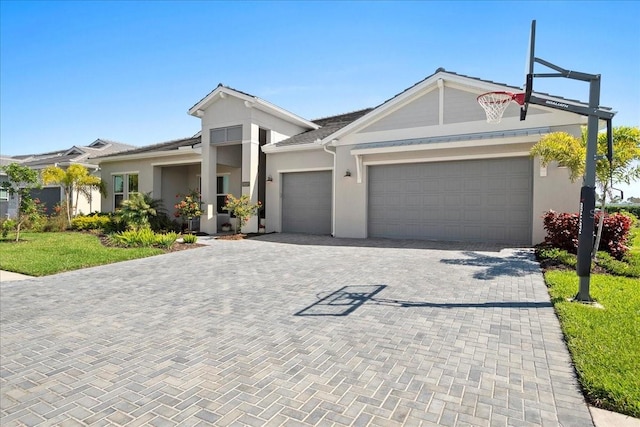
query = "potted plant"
{"x": 226, "y": 226}
{"x": 261, "y": 228}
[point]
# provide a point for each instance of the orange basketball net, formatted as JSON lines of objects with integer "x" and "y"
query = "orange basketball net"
{"x": 495, "y": 103}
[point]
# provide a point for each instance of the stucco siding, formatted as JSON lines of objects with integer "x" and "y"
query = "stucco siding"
{"x": 147, "y": 169}
{"x": 461, "y": 106}
{"x": 277, "y": 164}
{"x": 553, "y": 191}
{"x": 231, "y": 111}
{"x": 423, "y": 111}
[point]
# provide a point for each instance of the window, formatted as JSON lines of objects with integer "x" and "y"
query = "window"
{"x": 222, "y": 189}
{"x": 4, "y": 194}
{"x": 228, "y": 134}
{"x": 128, "y": 181}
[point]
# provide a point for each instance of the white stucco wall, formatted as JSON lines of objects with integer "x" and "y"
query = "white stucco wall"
{"x": 299, "y": 161}
{"x": 232, "y": 111}
{"x": 182, "y": 167}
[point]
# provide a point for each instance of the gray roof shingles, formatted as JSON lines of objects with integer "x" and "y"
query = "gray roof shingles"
{"x": 328, "y": 125}
{"x": 163, "y": 146}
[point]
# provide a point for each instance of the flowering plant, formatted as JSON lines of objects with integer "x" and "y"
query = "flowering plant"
{"x": 189, "y": 206}
{"x": 242, "y": 208}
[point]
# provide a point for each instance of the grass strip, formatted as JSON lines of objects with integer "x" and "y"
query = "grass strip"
{"x": 604, "y": 343}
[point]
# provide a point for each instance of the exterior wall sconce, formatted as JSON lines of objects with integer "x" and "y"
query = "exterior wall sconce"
{"x": 269, "y": 178}
{"x": 347, "y": 174}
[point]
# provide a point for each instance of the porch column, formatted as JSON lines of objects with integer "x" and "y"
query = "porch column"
{"x": 209, "y": 219}
{"x": 250, "y": 158}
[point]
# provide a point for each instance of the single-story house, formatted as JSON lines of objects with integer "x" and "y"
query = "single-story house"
{"x": 424, "y": 164}
{"x": 50, "y": 195}
{"x": 4, "y": 194}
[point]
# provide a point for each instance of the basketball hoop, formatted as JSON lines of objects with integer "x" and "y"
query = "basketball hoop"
{"x": 495, "y": 103}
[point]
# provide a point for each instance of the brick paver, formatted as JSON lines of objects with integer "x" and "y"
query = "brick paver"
{"x": 290, "y": 330}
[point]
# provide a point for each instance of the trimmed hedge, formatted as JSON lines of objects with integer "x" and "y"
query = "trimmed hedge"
{"x": 562, "y": 232}
{"x": 90, "y": 222}
{"x": 633, "y": 209}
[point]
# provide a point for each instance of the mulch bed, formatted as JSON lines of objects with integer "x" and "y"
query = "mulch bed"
{"x": 238, "y": 236}
{"x": 552, "y": 264}
{"x": 177, "y": 246}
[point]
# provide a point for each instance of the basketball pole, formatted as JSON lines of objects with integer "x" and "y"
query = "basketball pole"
{"x": 588, "y": 191}
{"x": 588, "y": 196}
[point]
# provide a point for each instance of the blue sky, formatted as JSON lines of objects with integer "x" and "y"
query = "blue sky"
{"x": 72, "y": 72}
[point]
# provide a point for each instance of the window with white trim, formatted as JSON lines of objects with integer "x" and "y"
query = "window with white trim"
{"x": 228, "y": 134}
{"x": 4, "y": 194}
{"x": 222, "y": 189}
{"x": 123, "y": 185}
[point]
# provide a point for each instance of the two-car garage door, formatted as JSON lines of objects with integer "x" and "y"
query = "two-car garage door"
{"x": 474, "y": 200}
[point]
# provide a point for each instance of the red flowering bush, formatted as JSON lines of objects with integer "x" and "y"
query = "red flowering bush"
{"x": 189, "y": 207}
{"x": 562, "y": 232}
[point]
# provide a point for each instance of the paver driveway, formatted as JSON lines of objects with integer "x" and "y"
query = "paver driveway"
{"x": 271, "y": 332}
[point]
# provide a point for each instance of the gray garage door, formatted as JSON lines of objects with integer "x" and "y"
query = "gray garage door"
{"x": 306, "y": 202}
{"x": 49, "y": 197}
{"x": 474, "y": 200}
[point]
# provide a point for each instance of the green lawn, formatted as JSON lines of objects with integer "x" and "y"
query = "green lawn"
{"x": 40, "y": 254}
{"x": 604, "y": 343}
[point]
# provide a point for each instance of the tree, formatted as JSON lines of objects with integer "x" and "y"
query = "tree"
{"x": 22, "y": 180}
{"x": 75, "y": 178}
{"x": 570, "y": 151}
{"x": 242, "y": 209}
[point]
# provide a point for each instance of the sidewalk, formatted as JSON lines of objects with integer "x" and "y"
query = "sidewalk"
{"x": 9, "y": 276}
{"x": 602, "y": 418}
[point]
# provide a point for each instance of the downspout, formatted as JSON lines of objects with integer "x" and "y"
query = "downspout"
{"x": 333, "y": 192}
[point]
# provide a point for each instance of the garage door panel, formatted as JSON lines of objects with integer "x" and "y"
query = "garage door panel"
{"x": 306, "y": 202}
{"x": 475, "y": 200}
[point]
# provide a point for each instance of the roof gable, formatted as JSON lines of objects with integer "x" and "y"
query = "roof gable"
{"x": 222, "y": 91}
{"x": 424, "y": 106}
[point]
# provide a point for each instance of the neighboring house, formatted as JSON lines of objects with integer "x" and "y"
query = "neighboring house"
{"x": 424, "y": 164}
{"x": 8, "y": 204}
{"x": 50, "y": 195}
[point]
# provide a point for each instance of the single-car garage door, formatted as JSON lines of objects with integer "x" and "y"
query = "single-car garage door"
{"x": 306, "y": 202}
{"x": 472, "y": 200}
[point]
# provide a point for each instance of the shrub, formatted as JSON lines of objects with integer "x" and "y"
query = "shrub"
{"x": 615, "y": 234}
{"x": 90, "y": 222}
{"x": 7, "y": 226}
{"x": 142, "y": 237}
{"x": 115, "y": 225}
{"x": 562, "y": 232}
{"x": 560, "y": 256}
{"x": 162, "y": 223}
{"x": 55, "y": 223}
{"x": 616, "y": 267}
{"x": 137, "y": 210}
{"x": 189, "y": 238}
{"x": 166, "y": 240}
{"x": 632, "y": 209}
